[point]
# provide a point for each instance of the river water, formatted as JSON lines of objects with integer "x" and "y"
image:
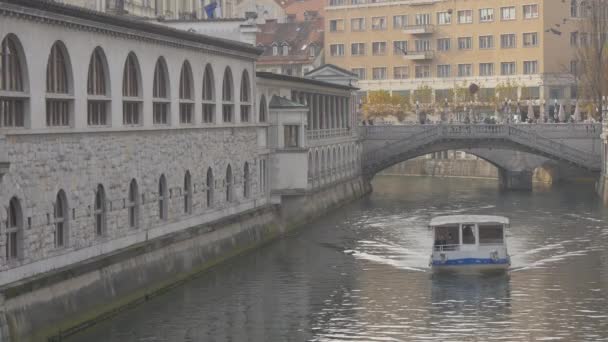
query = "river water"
{"x": 361, "y": 274}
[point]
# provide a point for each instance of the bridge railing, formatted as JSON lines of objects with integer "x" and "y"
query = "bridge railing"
{"x": 327, "y": 133}
{"x": 571, "y": 130}
{"x": 530, "y": 138}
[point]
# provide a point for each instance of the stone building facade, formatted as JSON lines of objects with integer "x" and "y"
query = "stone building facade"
{"x": 78, "y": 164}
{"x": 114, "y": 132}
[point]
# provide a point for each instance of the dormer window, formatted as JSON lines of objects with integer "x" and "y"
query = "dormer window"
{"x": 312, "y": 51}
{"x": 285, "y": 50}
{"x": 275, "y": 50}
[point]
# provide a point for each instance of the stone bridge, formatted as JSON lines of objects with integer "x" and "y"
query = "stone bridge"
{"x": 573, "y": 145}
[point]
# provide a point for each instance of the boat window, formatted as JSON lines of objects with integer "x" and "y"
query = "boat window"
{"x": 468, "y": 234}
{"x": 490, "y": 234}
{"x": 446, "y": 235}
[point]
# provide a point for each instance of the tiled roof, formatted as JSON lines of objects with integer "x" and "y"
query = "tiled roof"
{"x": 280, "y": 77}
{"x": 282, "y": 102}
{"x": 300, "y": 7}
{"x": 298, "y": 35}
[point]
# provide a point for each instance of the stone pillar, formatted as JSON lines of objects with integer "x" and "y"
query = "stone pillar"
{"x": 515, "y": 180}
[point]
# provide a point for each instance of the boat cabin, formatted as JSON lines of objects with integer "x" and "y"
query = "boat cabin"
{"x": 468, "y": 232}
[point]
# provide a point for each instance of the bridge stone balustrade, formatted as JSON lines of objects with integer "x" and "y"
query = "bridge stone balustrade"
{"x": 575, "y": 144}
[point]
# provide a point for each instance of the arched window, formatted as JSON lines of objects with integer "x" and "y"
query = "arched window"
{"x": 208, "y": 95}
{"x": 163, "y": 198}
{"x": 97, "y": 90}
{"x": 12, "y": 88}
{"x": 133, "y": 204}
{"x": 100, "y": 211}
{"x": 131, "y": 92}
{"x": 310, "y": 166}
{"x": 245, "y": 97}
{"x": 210, "y": 187}
{"x": 263, "y": 114}
{"x": 188, "y": 193}
{"x": 160, "y": 94}
{"x": 186, "y": 99}
{"x": 246, "y": 181}
{"x": 229, "y": 184}
{"x": 317, "y": 164}
{"x": 312, "y": 51}
{"x": 14, "y": 230}
{"x": 58, "y": 88}
{"x": 227, "y": 96}
{"x": 61, "y": 219}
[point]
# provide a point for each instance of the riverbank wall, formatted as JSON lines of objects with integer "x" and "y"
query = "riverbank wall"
{"x": 444, "y": 168}
{"x": 51, "y": 306}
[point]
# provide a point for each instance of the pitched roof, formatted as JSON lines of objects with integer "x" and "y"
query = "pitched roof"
{"x": 299, "y": 36}
{"x": 280, "y": 77}
{"x": 324, "y": 66}
{"x": 128, "y": 22}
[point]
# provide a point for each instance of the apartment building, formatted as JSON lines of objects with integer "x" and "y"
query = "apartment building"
{"x": 403, "y": 45}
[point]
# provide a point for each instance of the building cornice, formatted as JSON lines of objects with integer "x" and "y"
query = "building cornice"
{"x": 116, "y": 26}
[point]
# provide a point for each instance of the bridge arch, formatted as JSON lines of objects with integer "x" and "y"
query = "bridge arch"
{"x": 383, "y": 148}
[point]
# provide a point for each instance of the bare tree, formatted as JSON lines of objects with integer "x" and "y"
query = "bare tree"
{"x": 592, "y": 54}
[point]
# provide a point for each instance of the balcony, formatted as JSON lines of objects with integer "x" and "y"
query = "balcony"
{"x": 419, "y": 29}
{"x": 419, "y": 55}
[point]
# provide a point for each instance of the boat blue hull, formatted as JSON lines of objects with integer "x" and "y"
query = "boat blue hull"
{"x": 471, "y": 264}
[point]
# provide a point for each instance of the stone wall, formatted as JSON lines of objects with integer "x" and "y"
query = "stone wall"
{"x": 42, "y": 165}
{"x": 444, "y": 168}
{"x": 59, "y": 303}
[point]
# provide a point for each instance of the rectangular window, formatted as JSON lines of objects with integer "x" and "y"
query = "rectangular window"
{"x": 400, "y": 47}
{"x": 583, "y": 39}
{"x": 486, "y": 15}
{"x": 160, "y": 113}
{"x": 57, "y": 113}
{"x": 422, "y": 44}
{"x": 185, "y": 112}
{"x": 378, "y": 23}
{"x": 444, "y": 18}
{"x": 508, "y": 41}
{"x": 423, "y": 71}
{"x": 399, "y": 21}
{"x": 486, "y": 42}
{"x": 131, "y": 113}
{"x": 573, "y": 38}
{"x": 507, "y": 68}
{"x": 486, "y": 69}
{"x": 465, "y": 16}
{"x": 290, "y": 135}
{"x": 336, "y": 25}
{"x": 97, "y": 113}
{"x": 423, "y": 19}
{"x": 378, "y": 48}
{"x": 443, "y": 44}
{"x": 336, "y": 50}
{"x": 11, "y": 112}
{"x": 530, "y": 67}
{"x": 444, "y": 70}
{"x": 357, "y": 49}
{"x": 574, "y": 67}
{"x": 530, "y": 11}
{"x": 507, "y": 13}
{"x": 357, "y": 24}
{"x": 360, "y": 72}
{"x": 465, "y": 43}
{"x": 465, "y": 70}
{"x": 401, "y": 72}
{"x": 530, "y": 39}
{"x": 379, "y": 73}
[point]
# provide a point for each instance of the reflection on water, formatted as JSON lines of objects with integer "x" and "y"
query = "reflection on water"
{"x": 361, "y": 274}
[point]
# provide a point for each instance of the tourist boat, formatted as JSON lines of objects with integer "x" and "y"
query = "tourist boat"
{"x": 469, "y": 243}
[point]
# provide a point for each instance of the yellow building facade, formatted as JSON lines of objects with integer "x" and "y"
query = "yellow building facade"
{"x": 401, "y": 46}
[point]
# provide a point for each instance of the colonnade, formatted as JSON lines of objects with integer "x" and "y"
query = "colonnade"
{"x": 326, "y": 111}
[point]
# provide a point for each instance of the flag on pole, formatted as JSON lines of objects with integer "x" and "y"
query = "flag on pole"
{"x": 210, "y": 10}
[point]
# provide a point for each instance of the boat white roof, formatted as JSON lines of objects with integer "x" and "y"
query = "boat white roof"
{"x": 455, "y": 219}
